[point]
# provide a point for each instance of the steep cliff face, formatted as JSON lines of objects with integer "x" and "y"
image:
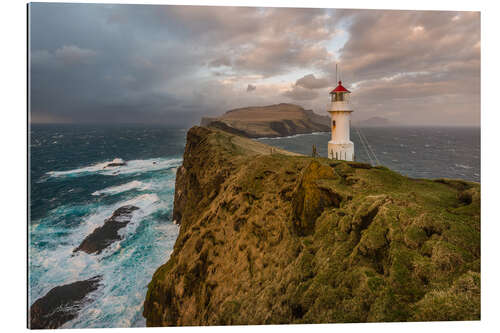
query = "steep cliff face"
{"x": 279, "y": 238}
{"x": 269, "y": 121}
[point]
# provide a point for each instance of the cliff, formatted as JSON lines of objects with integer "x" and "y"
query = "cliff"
{"x": 269, "y": 121}
{"x": 281, "y": 238}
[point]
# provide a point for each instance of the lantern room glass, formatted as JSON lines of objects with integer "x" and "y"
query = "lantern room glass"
{"x": 340, "y": 96}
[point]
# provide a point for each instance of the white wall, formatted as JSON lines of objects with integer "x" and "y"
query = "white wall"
{"x": 341, "y": 132}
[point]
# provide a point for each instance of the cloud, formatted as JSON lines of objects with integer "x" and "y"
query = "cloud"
{"x": 303, "y": 89}
{"x": 108, "y": 63}
{"x": 383, "y": 43}
{"x": 418, "y": 63}
{"x": 221, "y": 61}
{"x": 266, "y": 41}
{"x": 299, "y": 93}
{"x": 311, "y": 82}
{"x": 73, "y": 55}
{"x": 65, "y": 55}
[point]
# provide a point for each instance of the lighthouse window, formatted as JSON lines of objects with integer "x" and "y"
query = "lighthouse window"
{"x": 333, "y": 123}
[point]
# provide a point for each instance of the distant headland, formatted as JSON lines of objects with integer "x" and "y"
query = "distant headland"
{"x": 269, "y": 121}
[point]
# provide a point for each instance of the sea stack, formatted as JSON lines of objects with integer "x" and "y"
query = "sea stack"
{"x": 340, "y": 147}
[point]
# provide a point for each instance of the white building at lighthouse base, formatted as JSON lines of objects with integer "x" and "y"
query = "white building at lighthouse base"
{"x": 341, "y": 151}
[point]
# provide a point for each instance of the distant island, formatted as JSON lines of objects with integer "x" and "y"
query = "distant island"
{"x": 269, "y": 121}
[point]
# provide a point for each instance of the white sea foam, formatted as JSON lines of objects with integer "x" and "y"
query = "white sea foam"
{"x": 131, "y": 167}
{"x": 133, "y": 185}
{"x": 292, "y": 136}
{"x": 463, "y": 166}
{"x": 147, "y": 204}
{"x": 60, "y": 265}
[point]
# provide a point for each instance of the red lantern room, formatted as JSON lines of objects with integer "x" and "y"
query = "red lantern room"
{"x": 340, "y": 93}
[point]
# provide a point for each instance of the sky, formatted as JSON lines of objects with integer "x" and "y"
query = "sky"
{"x": 100, "y": 63}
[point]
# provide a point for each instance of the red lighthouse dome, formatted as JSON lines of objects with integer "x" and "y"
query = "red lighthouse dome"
{"x": 339, "y": 88}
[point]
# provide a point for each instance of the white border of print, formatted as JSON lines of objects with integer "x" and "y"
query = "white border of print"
{"x": 13, "y": 164}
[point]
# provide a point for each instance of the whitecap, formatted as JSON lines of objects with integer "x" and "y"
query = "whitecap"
{"x": 131, "y": 167}
{"x": 291, "y": 136}
{"x": 133, "y": 185}
{"x": 126, "y": 266}
{"x": 463, "y": 166}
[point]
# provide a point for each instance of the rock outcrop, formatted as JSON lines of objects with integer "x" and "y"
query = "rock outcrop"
{"x": 106, "y": 234}
{"x": 280, "y": 238}
{"x": 115, "y": 163}
{"x": 61, "y": 304}
{"x": 269, "y": 121}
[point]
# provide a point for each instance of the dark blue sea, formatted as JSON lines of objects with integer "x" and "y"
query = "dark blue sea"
{"x": 71, "y": 193}
{"x": 420, "y": 152}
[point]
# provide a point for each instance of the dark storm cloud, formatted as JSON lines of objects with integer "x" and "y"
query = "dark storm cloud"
{"x": 173, "y": 64}
{"x": 88, "y": 67}
{"x": 302, "y": 90}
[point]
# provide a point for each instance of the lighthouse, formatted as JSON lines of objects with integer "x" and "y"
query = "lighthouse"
{"x": 340, "y": 147}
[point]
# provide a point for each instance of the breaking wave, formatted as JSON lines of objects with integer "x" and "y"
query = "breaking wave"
{"x": 463, "y": 166}
{"x": 126, "y": 265}
{"x": 133, "y": 185}
{"x": 130, "y": 167}
{"x": 292, "y": 136}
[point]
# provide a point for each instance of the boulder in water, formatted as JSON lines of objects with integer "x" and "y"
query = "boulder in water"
{"x": 61, "y": 304}
{"x": 106, "y": 234}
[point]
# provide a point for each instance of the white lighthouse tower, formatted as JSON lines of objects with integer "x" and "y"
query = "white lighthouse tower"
{"x": 340, "y": 147}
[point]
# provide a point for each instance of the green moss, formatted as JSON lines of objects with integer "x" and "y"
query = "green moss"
{"x": 373, "y": 239}
{"x": 415, "y": 236}
{"x": 310, "y": 201}
{"x": 459, "y": 302}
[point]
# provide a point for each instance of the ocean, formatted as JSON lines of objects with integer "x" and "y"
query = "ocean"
{"x": 419, "y": 152}
{"x": 71, "y": 194}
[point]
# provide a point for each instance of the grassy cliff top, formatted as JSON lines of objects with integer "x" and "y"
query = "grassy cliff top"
{"x": 266, "y": 113}
{"x": 282, "y": 238}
